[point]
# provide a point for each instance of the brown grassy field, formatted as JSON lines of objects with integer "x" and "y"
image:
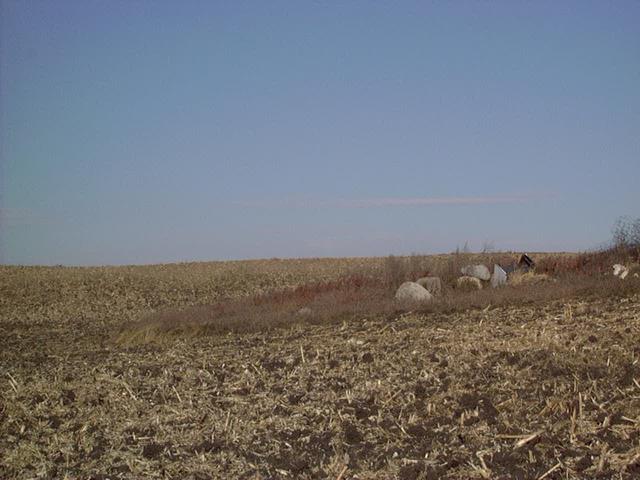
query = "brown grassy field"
{"x": 204, "y": 370}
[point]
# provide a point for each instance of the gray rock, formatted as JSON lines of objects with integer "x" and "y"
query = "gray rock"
{"x": 304, "y": 312}
{"x": 432, "y": 284}
{"x": 499, "y": 276}
{"x": 412, "y": 293}
{"x": 469, "y": 283}
{"x": 478, "y": 271}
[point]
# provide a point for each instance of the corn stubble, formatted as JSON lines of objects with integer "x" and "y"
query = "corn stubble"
{"x": 536, "y": 381}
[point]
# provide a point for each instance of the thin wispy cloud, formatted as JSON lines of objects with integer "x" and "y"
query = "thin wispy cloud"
{"x": 426, "y": 201}
{"x": 378, "y": 202}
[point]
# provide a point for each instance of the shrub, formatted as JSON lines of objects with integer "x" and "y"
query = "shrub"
{"x": 626, "y": 233}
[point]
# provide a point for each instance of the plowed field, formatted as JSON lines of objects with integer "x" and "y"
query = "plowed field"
{"x": 546, "y": 390}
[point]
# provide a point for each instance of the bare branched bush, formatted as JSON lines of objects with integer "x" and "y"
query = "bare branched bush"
{"x": 626, "y": 236}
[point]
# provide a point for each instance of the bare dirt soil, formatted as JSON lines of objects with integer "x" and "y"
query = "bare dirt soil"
{"x": 538, "y": 390}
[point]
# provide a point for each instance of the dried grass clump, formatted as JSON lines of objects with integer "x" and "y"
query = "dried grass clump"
{"x": 323, "y": 302}
{"x": 529, "y": 278}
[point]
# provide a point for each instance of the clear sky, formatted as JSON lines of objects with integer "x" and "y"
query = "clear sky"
{"x": 143, "y": 132}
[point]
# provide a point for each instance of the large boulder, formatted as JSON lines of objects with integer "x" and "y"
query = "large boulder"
{"x": 468, "y": 284}
{"x": 412, "y": 293}
{"x": 499, "y": 276}
{"x": 432, "y": 284}
{"x": 480, "y": 272}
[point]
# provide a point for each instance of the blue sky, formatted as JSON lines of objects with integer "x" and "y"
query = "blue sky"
{"x": 144, "y": 132}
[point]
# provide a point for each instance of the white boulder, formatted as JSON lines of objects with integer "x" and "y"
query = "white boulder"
{"x": 411, "y": 292}
{"x": 480, "y": 272}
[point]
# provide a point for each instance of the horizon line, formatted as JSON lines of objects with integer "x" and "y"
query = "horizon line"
{"x": 392, "y": 201}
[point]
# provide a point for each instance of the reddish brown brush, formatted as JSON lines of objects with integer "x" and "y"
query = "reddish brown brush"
{"x": 357, "y": 296}
{"x": 307, "y": 292}
{"x": 331, "y": 301}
